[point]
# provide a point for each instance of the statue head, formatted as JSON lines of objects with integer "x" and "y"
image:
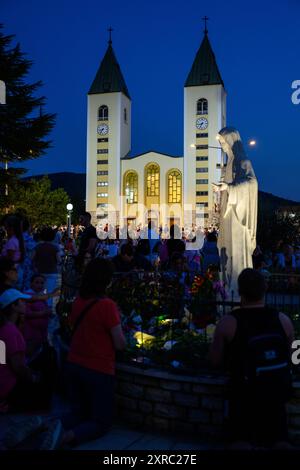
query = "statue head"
{"x": 231, "y": 143}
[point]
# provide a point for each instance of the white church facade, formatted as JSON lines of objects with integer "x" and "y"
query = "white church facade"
{"x": 130, "y": 189}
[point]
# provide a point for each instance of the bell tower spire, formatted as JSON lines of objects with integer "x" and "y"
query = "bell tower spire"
{"x": 108, "y": 137}
{"x": 204, "y": 116}
{"x": 205, "y": 19}
{"x": 110, "y": 30}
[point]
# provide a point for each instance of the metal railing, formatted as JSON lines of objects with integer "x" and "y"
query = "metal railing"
{"x": 157, "y": 318}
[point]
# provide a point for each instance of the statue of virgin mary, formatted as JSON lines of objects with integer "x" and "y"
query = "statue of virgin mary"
{"x": 238, "y": 210}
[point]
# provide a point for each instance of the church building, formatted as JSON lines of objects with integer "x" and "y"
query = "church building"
{"x": 130, "y": 189}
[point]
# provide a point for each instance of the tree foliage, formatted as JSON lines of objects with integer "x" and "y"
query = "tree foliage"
{"x": 42, "y": 206}
{"x": 23, "y": 125}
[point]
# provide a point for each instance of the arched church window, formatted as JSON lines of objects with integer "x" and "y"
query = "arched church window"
{"x": 152, "y": 180}
{"x": 202, "y": 106}
{"x": 131, "y": 187}
{"x": 103, "y": 113}
{"x": 125, "y": 115}
{"x": 174, "y": 186}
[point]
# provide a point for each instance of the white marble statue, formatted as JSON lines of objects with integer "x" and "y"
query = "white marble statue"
{"x": 238, "y": 210}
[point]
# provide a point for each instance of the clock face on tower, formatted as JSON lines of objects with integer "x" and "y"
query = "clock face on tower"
{"x": 102, "y": 129}
{"x": 202, "y": 123}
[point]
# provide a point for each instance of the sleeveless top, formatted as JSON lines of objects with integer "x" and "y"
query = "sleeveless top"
{"x": 251, "y": 322}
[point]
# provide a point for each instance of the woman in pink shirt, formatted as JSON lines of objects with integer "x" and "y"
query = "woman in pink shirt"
{"x": 15, "y": 376}
{"x": 14, "y": 247}
{"x": 37, "y": 314}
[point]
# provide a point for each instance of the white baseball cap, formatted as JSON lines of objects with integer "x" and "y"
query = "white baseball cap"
{"x": 11, "y": 295}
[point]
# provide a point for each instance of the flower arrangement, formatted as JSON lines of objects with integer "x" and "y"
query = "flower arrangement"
{"x": 159, "y": 329}
{"x": 159, "y": 324}
{"x": 148, "y": 295}
{"x": 174, "y": 343}
{"x": 165, "y": 324}
{"x": 205, "y": 291}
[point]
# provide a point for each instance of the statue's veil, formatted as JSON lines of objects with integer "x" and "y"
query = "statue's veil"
{"x": 236, "y": 164}
{"x": 238, "y": 210}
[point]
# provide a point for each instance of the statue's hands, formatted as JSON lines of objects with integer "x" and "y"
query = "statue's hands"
{"x": 223, "y": 187}
{"x": 219, "y": 187}
{"x": 216, "y": 188}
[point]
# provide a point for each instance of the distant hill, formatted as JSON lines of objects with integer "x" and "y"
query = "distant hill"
{"x": 75, "y": 183}
{"x": 269, "y": 202}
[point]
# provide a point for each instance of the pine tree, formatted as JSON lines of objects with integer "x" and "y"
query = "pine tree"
{"x": 23, "y": 126}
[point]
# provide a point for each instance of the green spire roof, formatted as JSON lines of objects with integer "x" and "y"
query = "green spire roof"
{"x": 109, "y": 78}
{"x": 204, "y": 70}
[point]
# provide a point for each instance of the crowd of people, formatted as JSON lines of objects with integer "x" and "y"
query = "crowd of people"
{"x": 30, "y": 283}
{"x": 281, "y": 258}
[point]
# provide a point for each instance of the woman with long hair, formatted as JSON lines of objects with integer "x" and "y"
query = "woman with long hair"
{"x": 29, "y": 246}
{"x": 97, "y": 334}
{"x": 46, "y": 259}
{"x": 14, "y": 246}
{"x": 8, "y": 274}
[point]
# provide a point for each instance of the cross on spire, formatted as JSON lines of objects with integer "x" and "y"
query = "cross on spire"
{"x": 110, "y": 31}
{"x": 205, "y": 18}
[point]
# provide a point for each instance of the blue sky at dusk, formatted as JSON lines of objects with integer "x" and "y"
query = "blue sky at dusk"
{"x": 256, "y": 44}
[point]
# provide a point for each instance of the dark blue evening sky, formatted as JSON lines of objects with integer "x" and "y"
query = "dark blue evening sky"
{"x": 256, "y": 44}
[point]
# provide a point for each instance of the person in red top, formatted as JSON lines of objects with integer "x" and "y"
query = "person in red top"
{"x": 97, "y": 334}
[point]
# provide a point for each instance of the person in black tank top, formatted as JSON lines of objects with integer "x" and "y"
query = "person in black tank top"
{"x": 251, "y": 323}
{"x": 253, "y": 343}
{"x": 259, "y": 415}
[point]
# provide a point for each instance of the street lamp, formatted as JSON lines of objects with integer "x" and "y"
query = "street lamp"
{"x": 69, "y": 209}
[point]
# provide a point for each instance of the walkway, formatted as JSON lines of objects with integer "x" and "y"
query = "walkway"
{"x": 122, "y": 437}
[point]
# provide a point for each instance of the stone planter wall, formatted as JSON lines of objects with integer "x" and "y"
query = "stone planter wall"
{"x": 169, "y": 402}
{"x": 158, "y": 400}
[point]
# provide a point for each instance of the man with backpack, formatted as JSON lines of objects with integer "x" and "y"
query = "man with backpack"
{"x": 254, "y": 342}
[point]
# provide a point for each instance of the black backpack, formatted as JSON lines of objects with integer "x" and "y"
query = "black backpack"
{"x": 265, "y": 360}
